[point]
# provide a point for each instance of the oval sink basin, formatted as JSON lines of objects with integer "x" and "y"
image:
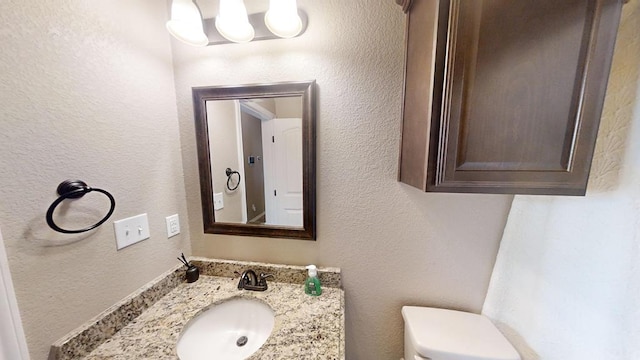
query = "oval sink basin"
{"x": 232, "y": 330}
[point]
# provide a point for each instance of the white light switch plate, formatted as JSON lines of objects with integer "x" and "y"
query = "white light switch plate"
{"x": 173, "y": 225}
{"x": 131, "y": 230}
{"x": 218, "y": 201}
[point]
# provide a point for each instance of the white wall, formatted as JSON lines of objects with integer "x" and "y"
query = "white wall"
{"x": 566, "y": 284}
{"x": 395, "y": 244}
{"x": 86, "y": 92}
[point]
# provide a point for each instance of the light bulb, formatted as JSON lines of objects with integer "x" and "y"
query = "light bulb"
{"x": 186, "y": 23}
{"x": 282, "y": 18}
{"x": 232, "y": 21}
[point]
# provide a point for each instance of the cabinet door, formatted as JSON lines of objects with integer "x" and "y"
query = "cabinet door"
{"x": 514, "y": 95}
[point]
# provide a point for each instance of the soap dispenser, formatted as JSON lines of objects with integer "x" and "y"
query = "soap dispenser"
{"x": 312, "y": 283}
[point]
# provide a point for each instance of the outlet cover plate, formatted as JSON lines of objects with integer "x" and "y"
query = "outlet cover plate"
{"x": 173, "y": 225}
{"x": 131, "y": 230}
{"x": 218, "y": 201}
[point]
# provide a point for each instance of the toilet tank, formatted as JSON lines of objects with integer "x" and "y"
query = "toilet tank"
{"x": 409, "y": 347}
{"x": 441, "y": 334}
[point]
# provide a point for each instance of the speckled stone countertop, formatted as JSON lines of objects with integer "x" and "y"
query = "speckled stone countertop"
{"x": 306, "y": 327}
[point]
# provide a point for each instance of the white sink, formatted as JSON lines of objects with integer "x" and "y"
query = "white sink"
{"x": 232, "y": 330}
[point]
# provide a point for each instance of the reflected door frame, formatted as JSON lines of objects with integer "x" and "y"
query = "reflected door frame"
{"x": 242, "y": 186}
{"x": 265, "y": 116}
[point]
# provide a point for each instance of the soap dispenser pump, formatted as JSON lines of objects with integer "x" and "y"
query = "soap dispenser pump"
{"x": 312, "y": 283}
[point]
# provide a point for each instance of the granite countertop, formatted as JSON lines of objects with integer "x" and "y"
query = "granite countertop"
{"x": 306, "y": 327}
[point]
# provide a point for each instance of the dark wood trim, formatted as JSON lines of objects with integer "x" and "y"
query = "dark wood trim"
{"x": 305, "y": 89}
{"x": 419, "y": 99}
{"x": 439, "y": 96}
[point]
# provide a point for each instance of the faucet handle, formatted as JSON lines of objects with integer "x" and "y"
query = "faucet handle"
{"x": 263, "y": 278}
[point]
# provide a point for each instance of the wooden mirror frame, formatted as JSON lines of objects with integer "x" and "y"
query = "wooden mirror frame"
{"x": 285, "y": 89}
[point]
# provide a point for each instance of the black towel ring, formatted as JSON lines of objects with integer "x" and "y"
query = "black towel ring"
{"x": 75, "y": 189}
{"x": 230, "y": 173}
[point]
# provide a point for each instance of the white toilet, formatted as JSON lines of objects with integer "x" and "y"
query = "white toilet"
{"x": 440, "y": 334}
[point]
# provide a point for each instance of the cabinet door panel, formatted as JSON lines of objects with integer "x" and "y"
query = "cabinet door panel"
{"x": 518, "y": 76}
{"x": 517, "y": 93}
{"x": 512, "y": 65}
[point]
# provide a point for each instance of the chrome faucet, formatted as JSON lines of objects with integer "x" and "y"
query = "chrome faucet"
{"x": 250, "y": 281}
{"x": 248, "y": 278}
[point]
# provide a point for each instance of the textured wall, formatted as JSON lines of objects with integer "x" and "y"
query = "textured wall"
{"x": 566, "y": 285}
{"x": 289, "y": 107}
{"x": 87, "y": 92}
{"x": 395, "y": 244}
{"x": 221, "y": 118}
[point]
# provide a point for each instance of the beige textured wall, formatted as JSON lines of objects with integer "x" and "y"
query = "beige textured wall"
{"x": 268, "y": 104}
{"x": 87, "y": 92}
{"x": 566, "y": 285}
{"x": 395, "y": 244}
{"x": 289, "y": 107}
{"x": 221, "y": 118}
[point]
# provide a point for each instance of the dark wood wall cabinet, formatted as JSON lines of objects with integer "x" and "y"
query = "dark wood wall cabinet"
{"x": 504, "y": 96}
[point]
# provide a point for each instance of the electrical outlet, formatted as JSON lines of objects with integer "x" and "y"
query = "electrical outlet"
{"x": 218, "y": 201}
{"x": 173, "y": 225}
{"x": 131, "y": 230}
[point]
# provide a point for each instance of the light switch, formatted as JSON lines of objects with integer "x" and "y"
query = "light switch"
{"x": 218, "y": 201}
{"x": 131, "y": 230}
{"x": 173, "y": 225}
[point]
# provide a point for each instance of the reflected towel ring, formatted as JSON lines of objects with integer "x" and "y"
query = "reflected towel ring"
{"x": 230, "y": 173}
{"x": 75, "y": 189}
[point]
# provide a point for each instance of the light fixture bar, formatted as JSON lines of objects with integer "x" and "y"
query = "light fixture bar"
{"x": 257, "y": 21}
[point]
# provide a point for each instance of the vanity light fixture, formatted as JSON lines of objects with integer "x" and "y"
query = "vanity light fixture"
{"x": 186, "y": 23}
{"x": 282, "y": 20}
{"x": 232, "y": 21}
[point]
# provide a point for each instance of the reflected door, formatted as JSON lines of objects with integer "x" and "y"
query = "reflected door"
{"x": 284, "y": 192}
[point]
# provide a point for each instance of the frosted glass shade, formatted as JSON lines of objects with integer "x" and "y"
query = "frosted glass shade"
{"x": 186, "y": 23}
{"x": 232, "y": 21}
{"x": 282, "y": 18}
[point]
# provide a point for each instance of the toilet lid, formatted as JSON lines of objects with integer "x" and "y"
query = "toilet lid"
{"x": 449, "y": 334}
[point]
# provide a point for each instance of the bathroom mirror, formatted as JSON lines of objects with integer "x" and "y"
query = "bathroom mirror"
{"x": 256, "y": 156}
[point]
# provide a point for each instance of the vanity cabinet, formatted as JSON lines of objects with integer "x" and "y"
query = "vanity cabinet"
{"x": 504, "y": 96}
